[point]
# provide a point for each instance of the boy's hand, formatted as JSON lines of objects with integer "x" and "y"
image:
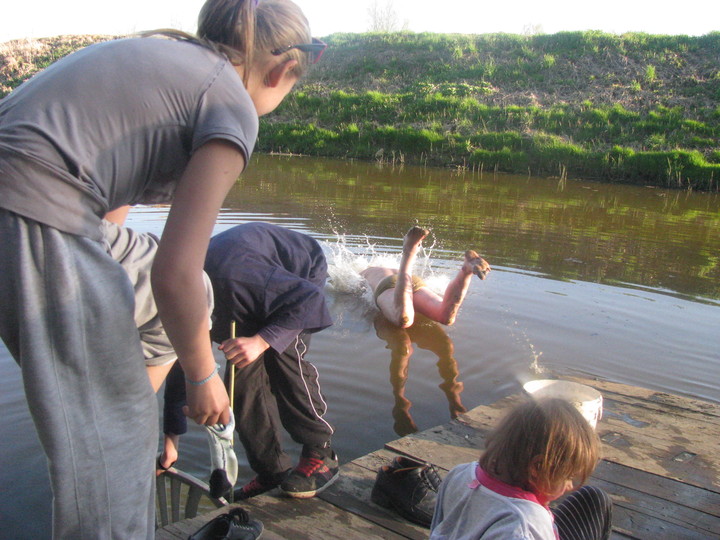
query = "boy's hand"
{"x": 243, "y": 350}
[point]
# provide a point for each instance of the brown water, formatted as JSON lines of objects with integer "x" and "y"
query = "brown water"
{"x": 612, "y": 281}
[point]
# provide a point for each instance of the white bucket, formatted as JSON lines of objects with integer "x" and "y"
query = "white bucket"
{"x": 586, "y": 399}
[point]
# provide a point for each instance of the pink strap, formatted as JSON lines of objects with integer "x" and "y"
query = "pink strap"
{"x": 484, "y": 479}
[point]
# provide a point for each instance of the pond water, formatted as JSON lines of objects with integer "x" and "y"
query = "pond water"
{"x": 611, "y": 281}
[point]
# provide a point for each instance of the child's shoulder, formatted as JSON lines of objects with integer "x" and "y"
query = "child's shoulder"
{"x": 465, "y": 472}
{"x": 469, "y": 466}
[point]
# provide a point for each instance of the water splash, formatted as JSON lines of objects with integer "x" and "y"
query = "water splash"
{"x": 347, "y": 256}
{"x": 522, "y": 338}
{"x": 535, "y": 366}
{"x": 345, "y": 265}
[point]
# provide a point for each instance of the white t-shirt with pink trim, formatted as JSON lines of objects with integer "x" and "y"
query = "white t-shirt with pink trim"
{"x": 466, "y": 509}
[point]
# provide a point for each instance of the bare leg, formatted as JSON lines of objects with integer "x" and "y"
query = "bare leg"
{"x": 403, "y": 293}
{"x": 446, "y": 311}
{"x": 456, "y": 290}
{"x": 169, "y": 455}
{"x": 157, "y": 375}
{"x": 397, "y": 303}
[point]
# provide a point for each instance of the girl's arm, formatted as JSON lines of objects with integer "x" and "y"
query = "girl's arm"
{"x": 177, "y": 273}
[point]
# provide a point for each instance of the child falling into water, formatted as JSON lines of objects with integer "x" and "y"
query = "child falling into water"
{"x": 140, "y": 120}
{"x": 540, "y": 451}
{"x": 399, "y": 294}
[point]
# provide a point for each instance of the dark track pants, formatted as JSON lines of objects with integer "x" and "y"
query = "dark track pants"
{"x": 279, "y": 390}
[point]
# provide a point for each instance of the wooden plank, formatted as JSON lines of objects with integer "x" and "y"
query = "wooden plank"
{"x": 182, "y": 529}
{"x": 620, "y": 534}
{"x": 374, "y": 460}
{"x": 294, "y": 519}
{"x": 640, "y": 507}
{"x": 444, "y": 446}
{"x": 312, "y": 519}
{"x": 678, "y": 493}
{"x": 653, "y": 455}
{"x": 170, "y": 532}
{"x": 660, "y": 424}
{"x": 634, "y": 524}
{"x": 685, "y": 405}
{"x": 349, "y": 495}
{"x": 660, "y": 468}
{"x": 664, "y": 404}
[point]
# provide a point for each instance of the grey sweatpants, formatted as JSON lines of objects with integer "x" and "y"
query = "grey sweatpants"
{"x": 67, "y": 319}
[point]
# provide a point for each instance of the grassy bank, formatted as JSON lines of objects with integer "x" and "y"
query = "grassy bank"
{"x": 635, "y": 108}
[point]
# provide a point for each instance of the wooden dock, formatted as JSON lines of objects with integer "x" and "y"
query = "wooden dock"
{"x": 661, "y": 465}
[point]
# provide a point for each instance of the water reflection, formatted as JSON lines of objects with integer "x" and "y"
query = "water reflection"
{"x": 604, "y": 233}
{"x": 428, "y": 335}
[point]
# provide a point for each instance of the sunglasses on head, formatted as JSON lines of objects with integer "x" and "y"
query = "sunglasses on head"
{"x": 315, "y": 49}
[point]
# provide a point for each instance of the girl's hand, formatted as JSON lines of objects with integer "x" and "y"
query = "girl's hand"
{"x": 208, "y": 403}
{"x": 244, "y": 350}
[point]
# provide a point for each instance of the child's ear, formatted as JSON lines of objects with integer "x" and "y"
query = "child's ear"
{"x": 279, "y": 72}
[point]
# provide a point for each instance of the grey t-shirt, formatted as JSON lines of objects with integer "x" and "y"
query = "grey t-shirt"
{"x": 136, "y": 252}
{"x": 115, "y": 124}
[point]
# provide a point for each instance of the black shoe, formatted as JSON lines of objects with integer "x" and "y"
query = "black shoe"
{"x": 235, "y": 525}
{"x": 313, "y": 474}
{"x": 259, "y": 485}
{"x": 409, "y": 487}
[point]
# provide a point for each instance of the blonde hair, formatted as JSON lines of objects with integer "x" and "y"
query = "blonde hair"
{"x": 541, "y": 443}
{"x": 245, "y": 31}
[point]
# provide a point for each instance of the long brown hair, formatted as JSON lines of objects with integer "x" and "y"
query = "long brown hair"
{"x": 545, "y": 441}
{"x": 244, "y": 29}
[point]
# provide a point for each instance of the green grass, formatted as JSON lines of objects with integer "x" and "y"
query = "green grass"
{"x": 537, "y": 104}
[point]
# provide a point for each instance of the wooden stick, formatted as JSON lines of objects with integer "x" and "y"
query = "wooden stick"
{"x": 232, "y": 398}
{"x": 232, "y": 373}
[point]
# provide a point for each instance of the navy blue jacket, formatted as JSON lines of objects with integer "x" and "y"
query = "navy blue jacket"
{"x": 269, "y": 280}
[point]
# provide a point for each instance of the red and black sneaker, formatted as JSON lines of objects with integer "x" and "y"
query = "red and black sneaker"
{"x": 259, "y": 485}
{"x": 313, "y": 474}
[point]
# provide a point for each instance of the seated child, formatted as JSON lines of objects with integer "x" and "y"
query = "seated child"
{"x": 540, "y": 451}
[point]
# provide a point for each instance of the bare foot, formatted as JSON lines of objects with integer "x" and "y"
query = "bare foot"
{"x": 475, "y": 264}
{"x": 169, "y": 455}
{"x": 413, "y": 238}
{"x": 163, "y": 463}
